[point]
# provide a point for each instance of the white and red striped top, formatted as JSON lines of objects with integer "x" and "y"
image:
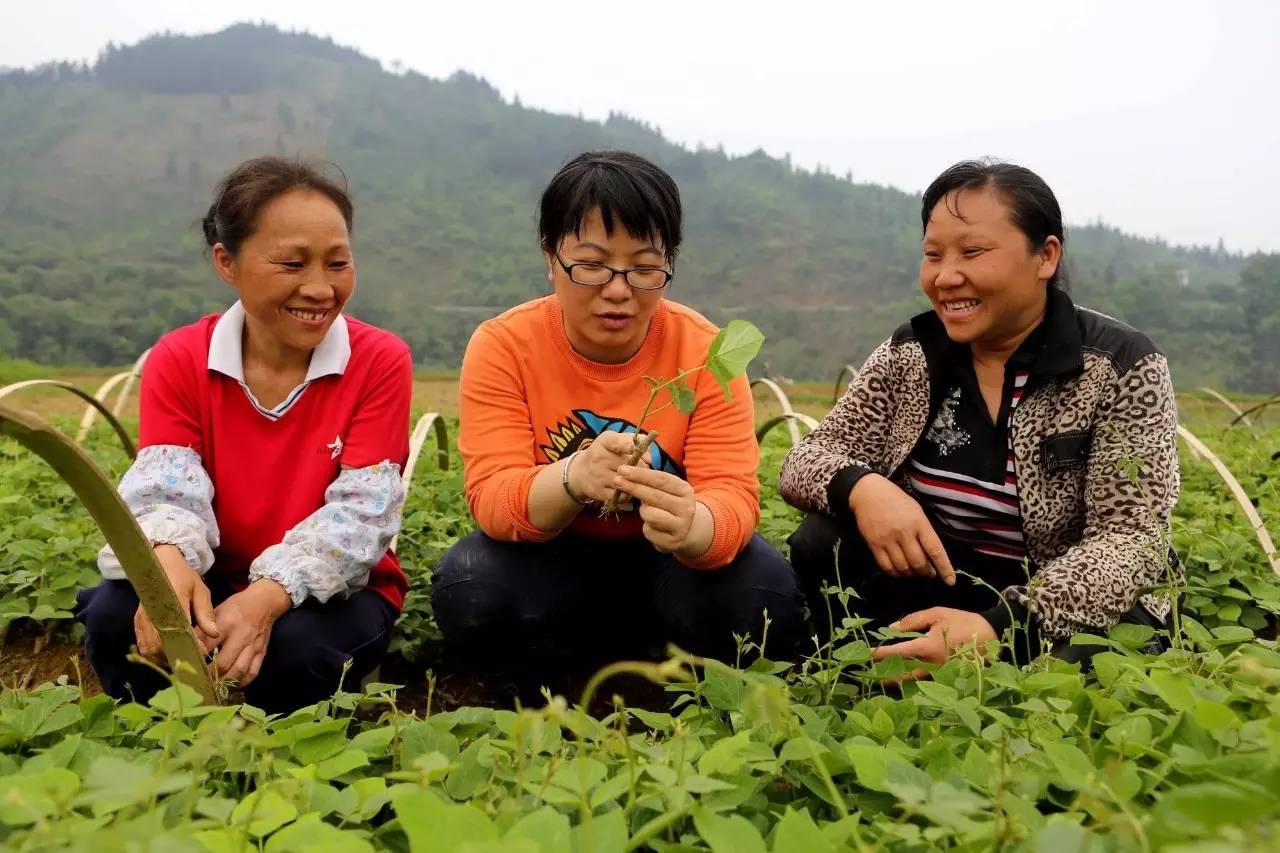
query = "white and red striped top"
{"x": 980, "y": 512}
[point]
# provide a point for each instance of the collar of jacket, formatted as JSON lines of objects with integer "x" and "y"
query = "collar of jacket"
{"x": 1060, "y": 352}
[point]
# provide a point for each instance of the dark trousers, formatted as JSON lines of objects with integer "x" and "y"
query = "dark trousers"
{"x": 884, "y": 598}
{"x": 308, "y": 647}
{"x": 541, "y": 610}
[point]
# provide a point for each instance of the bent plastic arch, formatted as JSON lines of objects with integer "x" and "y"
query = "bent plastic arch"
{"x": 840, "y": 386}
{"x": 1238, "y": 492}
{"x": 785, "y": 402}
{"x": 1235, "y": 410}
{"x": 788, "y": 417}
{"x": 95, "y": 405}
{"x": 122, "y": 533}
{"x": 128, "y": 378}
{"x": 426, "y": 423}
{"x": 1275, "y": 398}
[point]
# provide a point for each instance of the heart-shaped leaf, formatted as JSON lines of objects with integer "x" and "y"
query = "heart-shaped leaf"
{"x": 732, "y": 351}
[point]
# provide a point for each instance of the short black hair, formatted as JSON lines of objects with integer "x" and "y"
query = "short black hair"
{"x": 629, "y": 191}
{"x": 1032, "y": 205}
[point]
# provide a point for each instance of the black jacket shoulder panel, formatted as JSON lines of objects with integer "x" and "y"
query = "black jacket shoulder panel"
{"x": 904, "y": 333}
{"x": 1120, "y": 343}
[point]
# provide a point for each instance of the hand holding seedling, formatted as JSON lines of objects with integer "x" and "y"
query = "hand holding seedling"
{"x": 674, "y": 521}
{"x": 945, "y": 630}
{"x": 727, "y": 358}
{"x": 897, "y": 531}
{"x": 193, "y": 596}
{"x": 594, "y": 468}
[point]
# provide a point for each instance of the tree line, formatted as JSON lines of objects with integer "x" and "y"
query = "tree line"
{"x": 107, "y": 168}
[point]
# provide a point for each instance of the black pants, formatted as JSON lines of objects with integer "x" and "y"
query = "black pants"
{"x": 309, "y": 645}
{"x": 884, "y": 598}
{"x": 540, "y": 610}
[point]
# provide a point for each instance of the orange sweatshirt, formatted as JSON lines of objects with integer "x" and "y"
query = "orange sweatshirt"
{"x": 528, "y": 399}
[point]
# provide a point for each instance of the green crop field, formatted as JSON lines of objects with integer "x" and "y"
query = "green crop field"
{"x": 1176, "y": 752}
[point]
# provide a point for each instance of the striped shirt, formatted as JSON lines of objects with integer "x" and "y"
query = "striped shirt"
{"x": 963, "y": 471}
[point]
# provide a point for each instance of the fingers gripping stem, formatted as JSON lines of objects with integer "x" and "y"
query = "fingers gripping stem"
{"x": 642, "y": 442}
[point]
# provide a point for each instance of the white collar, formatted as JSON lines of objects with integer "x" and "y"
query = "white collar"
{"x": 226, "y": 356}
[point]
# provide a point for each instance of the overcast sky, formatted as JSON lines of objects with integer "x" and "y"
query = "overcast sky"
{"x": 1161, "y": 118}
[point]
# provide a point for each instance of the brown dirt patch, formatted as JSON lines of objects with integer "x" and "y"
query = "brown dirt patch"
{"x": 31, "y": 656}
{"x": 430, "y": 394}
{"x": 436, "y": 395}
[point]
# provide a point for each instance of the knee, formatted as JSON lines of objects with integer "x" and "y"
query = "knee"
{"x": 310, "y": 647}
{"x": 760, "y": 584}
{"x": 107, "y": 613}
{"x": 768, "y": 586}
{"x": 813, "y": 544}
{"x": 471, "y": 586}
{"x": 295, "y": 650}
{"x": 462, "y": 559}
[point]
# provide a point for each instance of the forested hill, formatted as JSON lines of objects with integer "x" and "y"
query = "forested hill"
{"x": 105, "y": 170}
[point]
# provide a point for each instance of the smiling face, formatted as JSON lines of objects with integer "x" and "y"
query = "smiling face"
{"x": 295, "y": 272}
{"x": 985, "y": 280}
{"x": 607, "y": 323}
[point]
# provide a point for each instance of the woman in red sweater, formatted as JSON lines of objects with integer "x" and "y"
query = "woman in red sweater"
{"x": 549, "y": 394}
{"x": 268, "y": 478}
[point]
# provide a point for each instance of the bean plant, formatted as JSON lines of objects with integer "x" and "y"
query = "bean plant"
{"x": 1178, "y": 751}
{"x": 727, "y": 358}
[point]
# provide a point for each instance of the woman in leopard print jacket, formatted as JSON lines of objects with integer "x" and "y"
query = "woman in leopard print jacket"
{"x": 1007, "y": 433}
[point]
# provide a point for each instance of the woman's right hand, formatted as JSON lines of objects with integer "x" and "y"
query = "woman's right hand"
{"x": 193, "y": 597}
{"x": 594, "y": 468}
{"x": 896, "y": 530}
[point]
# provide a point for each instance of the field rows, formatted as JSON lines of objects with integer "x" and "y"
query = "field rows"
{"x": 1176, "y": 752}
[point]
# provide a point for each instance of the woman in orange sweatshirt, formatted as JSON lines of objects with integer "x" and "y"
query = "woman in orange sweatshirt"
{"x": 549, "y": 393}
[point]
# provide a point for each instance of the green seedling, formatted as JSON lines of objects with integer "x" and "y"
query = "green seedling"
{"x": 727, "y": 359}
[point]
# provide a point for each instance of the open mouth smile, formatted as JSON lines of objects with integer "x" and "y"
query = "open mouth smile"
{"x": 308, "y": 317}
{"x": 959, "y": 307}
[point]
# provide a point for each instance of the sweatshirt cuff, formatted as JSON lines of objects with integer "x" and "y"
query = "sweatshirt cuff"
{"x": 839, "y": 489}
{"x": 289, "y": 569}
{"x": 725, "y": 545}
{"x": 515, "y": 497}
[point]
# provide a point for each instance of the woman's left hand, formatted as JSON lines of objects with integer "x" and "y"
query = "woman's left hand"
{"x": 669, "y": 510}
{"x": 945, "y": 630}
{"x": 245, "y": 620}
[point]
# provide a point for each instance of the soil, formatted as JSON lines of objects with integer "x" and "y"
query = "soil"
{"x": 30, "y": 657}
{"x": 458, "y": 688}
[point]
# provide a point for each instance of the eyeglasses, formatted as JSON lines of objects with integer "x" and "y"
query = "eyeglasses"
{"x": 598, "y": 275}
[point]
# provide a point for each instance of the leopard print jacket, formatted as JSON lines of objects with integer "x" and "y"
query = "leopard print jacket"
{"x": 1094, "y": 447}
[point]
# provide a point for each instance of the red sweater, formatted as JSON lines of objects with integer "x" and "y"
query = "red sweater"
{"x": 529, "y": 399}
{"x": 269, "y": 475}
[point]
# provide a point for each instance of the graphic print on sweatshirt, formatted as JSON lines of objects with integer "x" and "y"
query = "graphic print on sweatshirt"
{"x": 583, "y": 425}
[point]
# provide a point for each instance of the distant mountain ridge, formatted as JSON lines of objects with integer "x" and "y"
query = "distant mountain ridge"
{"x": 105, "y": 169}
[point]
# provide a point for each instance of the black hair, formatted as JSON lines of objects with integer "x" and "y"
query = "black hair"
{"x": 629, "y": 191}
{"x": 1032, "y": 205}
{"x": 250, "y": 186}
